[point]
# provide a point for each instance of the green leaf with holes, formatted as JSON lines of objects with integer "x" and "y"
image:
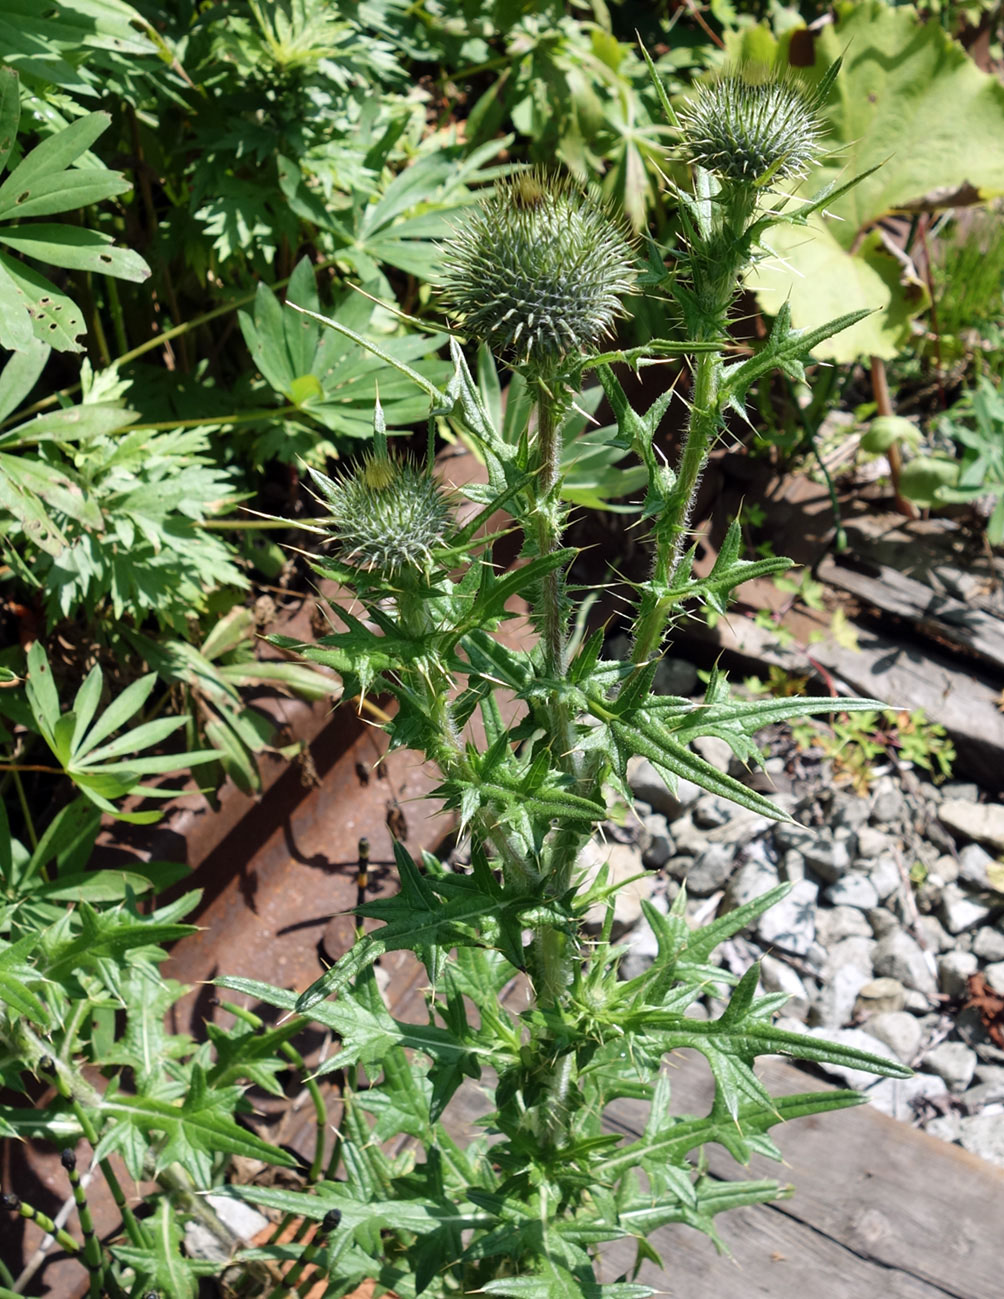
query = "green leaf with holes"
{"x": 44, "y": 182}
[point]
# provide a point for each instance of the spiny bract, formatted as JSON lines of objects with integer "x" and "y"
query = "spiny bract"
{"x": 537, "y": 271}
{"x": 386, "y": 514}
{"x": 750, "y": 127}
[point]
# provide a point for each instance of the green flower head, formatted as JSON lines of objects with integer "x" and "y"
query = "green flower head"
{"x": 752, "y": 127}
{"x": 386, "y": 514}
{"x": 537, "y": 271}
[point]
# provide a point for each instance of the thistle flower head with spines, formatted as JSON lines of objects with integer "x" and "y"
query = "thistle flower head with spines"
{"x": 753, "y": 127}
{"x": 386, "y": 514}
{"x": 537, "y": 271}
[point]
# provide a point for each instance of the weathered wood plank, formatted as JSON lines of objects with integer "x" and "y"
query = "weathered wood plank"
{"x": 770, "y": 1254}
{"x": 879, "y": 1207}
{"x": 940, "y": 616}
{"x": 883, "y": 1192}
{"x": 898, "y": 674}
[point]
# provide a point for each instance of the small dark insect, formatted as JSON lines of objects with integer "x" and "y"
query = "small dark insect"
{"x": 397, "y": 823}
{"x": 362, "y": 773}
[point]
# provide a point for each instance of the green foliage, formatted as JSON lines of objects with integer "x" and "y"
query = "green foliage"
{"x": 919, "y": 121}
{"x": 45, "y": 182}
{"x": 968, "y": 274}
{"x": 104, "y": 514}
{"x": 329, "y": 381}
{"x": 521, "y": 1209}
{"x": 858, "y": 743}
{"x": 975, "y": 423}
{"x": 103, "y": 769}
{"x": 298, "y": 140}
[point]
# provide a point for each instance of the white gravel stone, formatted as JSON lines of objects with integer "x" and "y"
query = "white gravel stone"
{"x": 751, "y": 880}
{"x": 791, "y": 924}
{"x": 961, "y": 910}
{"x": 833, "y": 924}
{"x": 983, "y": 1135}
{"x": 675, "y": 677}
{"x": 834, "y": 1005}
{"x": 710, "y": 811}
{"x": 660, "y": 843}
{"x": 873, "y": 842}
{"x": 793, "y": 866}
{"x": 947, "y": 1127}
{"x": 899, "y": 1030}
{"x": 978, "y": 868}
{"x": 936, "y": 937}
{"x": 856, "y": 951}
{"x": 888, "y": 804}
{"x": 884, "y": 875}
{"x": 880, "y": 996}
{"x": 946, "y": 868}
{"x": 988, "y": 943}
{"x": 646, "y": 783}
{"x": 853, "y": 891}
{"x": 827, "y": 857}
{"x": 952, "y": 1061}
{"x": 710, "y": 871}
{"x": 623, "y": 862}
{"x": 714, "y": 750}
{"x": 741, "y": 826}
{"x": 778, "y": 976}
{"x": 994, "y": 975}
{"x": 898, "y": 956}
{"x": 982, "y": 822}
{"x": 895, "y": 1096}
{"x": 954, "y": 968}
{"x": 882, "y": 922}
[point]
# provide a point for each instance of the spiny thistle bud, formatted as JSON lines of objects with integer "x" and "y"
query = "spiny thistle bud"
{"x": 752, "y": 127}
{"x": 537, "y": 271}
{"x": 386, "y": 514}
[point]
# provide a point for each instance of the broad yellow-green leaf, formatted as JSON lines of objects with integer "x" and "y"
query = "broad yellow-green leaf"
{"x": 909, "y": 102}
{"x": 819, "y": 280}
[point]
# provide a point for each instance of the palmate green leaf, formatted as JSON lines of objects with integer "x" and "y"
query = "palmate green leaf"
{"x": 190, "y": 1134}
{"x": 75, "y": 738}
{"x": 41, "y": 184}
{"x": 404, "y": 226}
{"x": 331, "y": 380}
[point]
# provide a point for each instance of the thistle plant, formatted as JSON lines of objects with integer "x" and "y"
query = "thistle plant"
{"x": 540, "y": 273}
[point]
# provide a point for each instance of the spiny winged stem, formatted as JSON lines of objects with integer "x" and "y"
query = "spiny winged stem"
{"x": 538, "y": 272}
{"x": 744, "y": 131}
